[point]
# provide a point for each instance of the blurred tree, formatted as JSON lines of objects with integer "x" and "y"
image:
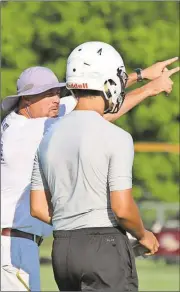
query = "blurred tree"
{"x": 44, "y": 33}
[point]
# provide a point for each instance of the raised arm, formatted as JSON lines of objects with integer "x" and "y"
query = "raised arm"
{"x": 153, "y": 88}
{"x": 152, "y": 72}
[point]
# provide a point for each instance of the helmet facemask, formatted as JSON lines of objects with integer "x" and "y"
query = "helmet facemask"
{"x": 110, "y": 90}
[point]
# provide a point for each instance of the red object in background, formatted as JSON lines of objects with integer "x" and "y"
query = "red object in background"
{"x": 169, "y": 240}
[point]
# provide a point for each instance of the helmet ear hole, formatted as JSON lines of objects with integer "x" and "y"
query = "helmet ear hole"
{"x": 111, "y": 82}
{"x": 107, "y": 90}
{"x": 107, "y": 86}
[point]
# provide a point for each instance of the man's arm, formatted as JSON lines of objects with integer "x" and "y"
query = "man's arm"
{"x": 120, "y": 185}
{"x": 122, "y": 202}
{"x": 41, "y": 206}
{"x": 152, "y": 72}
{"x": 127, "y": 213}
{"x": 133, "y": 98}
{"x": 40, "y": 197}
{"x": 132, "y": 79}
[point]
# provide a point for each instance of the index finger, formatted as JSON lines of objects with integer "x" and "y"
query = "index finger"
{"x": 173, "y": 71}
{"x": 170, "y": 61}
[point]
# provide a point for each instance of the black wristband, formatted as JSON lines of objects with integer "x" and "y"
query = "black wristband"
{"x": 139, "y": 75}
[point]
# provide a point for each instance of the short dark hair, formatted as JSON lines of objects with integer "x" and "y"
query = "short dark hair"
{"x": 87, "y": 93}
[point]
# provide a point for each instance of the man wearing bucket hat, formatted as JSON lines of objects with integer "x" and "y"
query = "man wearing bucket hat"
{"x": 37, "y": 99}
{"x": 33, "y": 82}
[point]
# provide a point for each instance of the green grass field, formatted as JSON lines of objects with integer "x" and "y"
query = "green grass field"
{"x": 153, "y": 276}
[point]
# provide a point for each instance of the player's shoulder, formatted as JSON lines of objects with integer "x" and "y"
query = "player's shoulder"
{"x": 119, "y": 139}
{"x": 112, "y": 135}
{"x": 117, "y": 132}
{"x": 122, "y": 133}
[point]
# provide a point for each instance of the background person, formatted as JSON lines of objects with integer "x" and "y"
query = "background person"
{"x": 37, "y": 100}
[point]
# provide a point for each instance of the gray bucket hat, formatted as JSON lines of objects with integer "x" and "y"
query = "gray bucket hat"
{"x": 32, "y": 81}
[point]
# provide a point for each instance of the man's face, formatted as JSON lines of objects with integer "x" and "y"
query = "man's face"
{"x": 45, "y": 104}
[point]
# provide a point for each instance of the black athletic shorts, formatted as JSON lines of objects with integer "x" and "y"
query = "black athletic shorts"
{"x": 94, "y": 259}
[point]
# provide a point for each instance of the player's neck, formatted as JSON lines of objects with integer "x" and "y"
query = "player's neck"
{"x": 91, "y": 103}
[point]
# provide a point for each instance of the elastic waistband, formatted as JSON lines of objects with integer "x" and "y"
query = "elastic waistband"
{"x": 88, "y": 231}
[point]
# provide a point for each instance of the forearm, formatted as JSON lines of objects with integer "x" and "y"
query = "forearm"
{"x": 127, "y": 213}
{"x": 41, "y": 206}
{"x": 42, "y": 216}
{"x": 132, "y": 79}
{"x": 131, "y": 222}
{"x": 132, "y": 99}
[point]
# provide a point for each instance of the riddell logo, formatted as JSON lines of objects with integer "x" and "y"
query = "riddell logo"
{"x": 77, "y": 86}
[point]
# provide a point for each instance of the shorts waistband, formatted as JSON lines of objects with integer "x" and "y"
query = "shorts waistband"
{"x": 88, "y": 231}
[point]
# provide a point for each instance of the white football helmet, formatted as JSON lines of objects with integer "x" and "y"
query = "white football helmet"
{"x": 98, "y": 66}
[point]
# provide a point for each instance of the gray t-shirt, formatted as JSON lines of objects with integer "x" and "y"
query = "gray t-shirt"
{"x": 81, "y": 159}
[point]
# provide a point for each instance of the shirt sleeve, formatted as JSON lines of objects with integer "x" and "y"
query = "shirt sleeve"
{"x": 121, "y": 162}
{"x": 38, "y": 180}
{"x": 67, "y": 104}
